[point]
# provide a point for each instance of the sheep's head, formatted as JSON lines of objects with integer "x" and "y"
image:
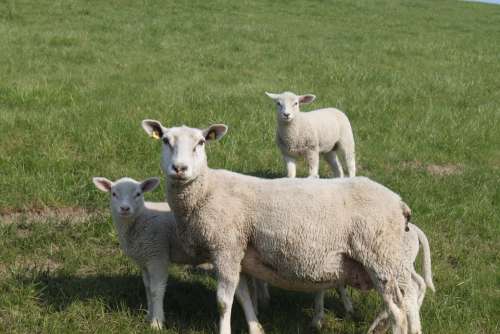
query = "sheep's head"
{"x": 126, "y": 194}
{"x": 183, "y": 151}
{"x": 287, "y": 104}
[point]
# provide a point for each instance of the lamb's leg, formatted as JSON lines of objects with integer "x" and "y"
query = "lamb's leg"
{"x": 157, "y": 281}
{"x": 333, "y": 161}
{"x": 145, "y": 280}
{"x": 291, "y": 166}
{"x": 243, "y": 296}
{"x": 346, "y": 148}
{"x": 346, "y": 299}
{"x": 319, "y": 310}
{"x": 312, "y": 158}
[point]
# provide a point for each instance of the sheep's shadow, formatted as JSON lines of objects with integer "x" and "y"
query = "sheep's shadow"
{"x": 189, "y": 305}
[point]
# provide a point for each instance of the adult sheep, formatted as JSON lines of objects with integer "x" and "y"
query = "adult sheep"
{"x": 272, "y": 230}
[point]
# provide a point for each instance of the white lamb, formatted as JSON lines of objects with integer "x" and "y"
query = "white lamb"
{"x": 307, "y": 134}
{"x": 147, "y": 232}
{"x": 297, "y": 234}
{"x": 415, "y": 293}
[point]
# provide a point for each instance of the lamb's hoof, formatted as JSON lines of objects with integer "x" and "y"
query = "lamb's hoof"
{"x": 156, "y": 325}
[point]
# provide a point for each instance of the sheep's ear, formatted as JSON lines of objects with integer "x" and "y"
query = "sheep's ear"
{"x": 102, "y": 183}
{"x": 214, "y": 132}
{"x": 273, "y": 96}
{"x": 308, "y": 98}
{"x": 150, "y": 184}
{"x": 153, "y": 128}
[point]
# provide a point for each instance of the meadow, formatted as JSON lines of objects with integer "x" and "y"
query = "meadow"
{"x": 419, "y": 81}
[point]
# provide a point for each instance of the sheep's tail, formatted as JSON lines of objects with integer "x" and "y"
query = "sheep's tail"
{"x": 407, "y": 214}
{"x": 426, "y": 260}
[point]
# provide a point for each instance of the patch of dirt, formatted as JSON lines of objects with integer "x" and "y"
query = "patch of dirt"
{"x": 434, "y": 169}
{"x": 445, "y": 170}
{"x": 71, "y": 214}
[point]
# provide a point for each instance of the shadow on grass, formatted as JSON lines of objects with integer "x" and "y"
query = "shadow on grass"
{"x": 188, "y": 305}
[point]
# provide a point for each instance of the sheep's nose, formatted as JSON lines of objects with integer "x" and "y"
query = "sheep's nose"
{"x": 179, "y": 168}
{"x": 286, "y": 115}
{"x": 125, "y": 208}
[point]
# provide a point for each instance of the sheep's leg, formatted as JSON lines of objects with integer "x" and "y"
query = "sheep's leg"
{"x": 393, "y": 300}
{"x": 291, "y": 166}
{"x": 157, "y": 281}
{"x": 145, "y": 280}
{"x": 333, "y": 161}
{"x": 413, "y": 308}
{"x": 243, "y": 296}
{"x": 263, "y": 293}
{"x": 422, "y": 287}
{"x": 319, "y": 310}
{"x": 312, "y": 158}
{"x": 381, "y": 324}
{"x": 346, "y": 299}
{"x": 254, "y": 293}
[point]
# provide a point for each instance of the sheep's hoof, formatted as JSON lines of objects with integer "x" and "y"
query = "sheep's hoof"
{"x": 156, "y": 325}
{"x": 316, "y": 324}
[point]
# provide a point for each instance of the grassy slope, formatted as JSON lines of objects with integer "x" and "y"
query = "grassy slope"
{"x": 419, "y": 81}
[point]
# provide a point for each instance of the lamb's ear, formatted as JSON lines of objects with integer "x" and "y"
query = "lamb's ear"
{"x": 150, "y": 184}
{"x": 153, "y": 128}
{"x": 308, "y": 98}
{"x": 102, "y": 183}
{"x": 273, "y": 96}
{"x": 214, "y": 132}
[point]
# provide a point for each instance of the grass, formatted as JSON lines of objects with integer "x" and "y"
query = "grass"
{"x": 418, "y": 80}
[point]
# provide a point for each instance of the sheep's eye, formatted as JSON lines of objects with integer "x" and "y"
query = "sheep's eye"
{"x": 137, "y": 194}
{"x": 278, "y": 104}
{"x": 166, "y": 141}
{"x": 114, "y": 194}
{"x": 295, "y": 104}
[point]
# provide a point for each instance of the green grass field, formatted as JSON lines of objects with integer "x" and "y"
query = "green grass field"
{"x": 419, "y": 81}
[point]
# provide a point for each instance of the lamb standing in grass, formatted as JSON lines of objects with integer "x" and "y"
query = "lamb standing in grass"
{"x": 415, "y": 293}
{"x": 147, "y": 233}
{"x": 274, "y": 231}
{"x": 307, "y": 134}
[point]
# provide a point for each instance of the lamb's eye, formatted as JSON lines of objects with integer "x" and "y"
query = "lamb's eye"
{"x": 137, "y": 194}
{"x": 295, "y": 104}
{"x": 166, "y": 141}
{"x": 278, "y": 104}
{"x": 114, "y": 194}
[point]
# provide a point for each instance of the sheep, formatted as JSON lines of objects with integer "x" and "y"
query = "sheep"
{"x": 271, "y": 229}
{"x": 415, "y": 295}
{"x": 147, "y": 232}
{"x": 307, "y": 134}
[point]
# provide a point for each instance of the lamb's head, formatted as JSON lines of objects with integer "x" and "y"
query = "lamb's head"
{"x": 126, "y": 194}
{"x": 288, "y": 104}
{"x": 183, "y": 152}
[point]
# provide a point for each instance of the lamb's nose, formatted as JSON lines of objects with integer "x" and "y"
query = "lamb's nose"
{"x": 179, "y": 168}
{"x": 125, "y": 208}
